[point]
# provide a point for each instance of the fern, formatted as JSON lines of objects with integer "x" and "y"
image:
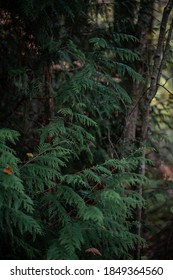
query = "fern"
{"x": 121, "y": 37}
{"x": 16, "y": 206}
{"x": 60, "y": 177}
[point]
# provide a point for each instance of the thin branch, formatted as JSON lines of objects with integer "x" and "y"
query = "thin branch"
{"x": 167, "y": 79}
{"x": 165, "y": 89}
{"x": 111, "y": 144}
{"x": 136, "y": 104}
{"x": 159, "y": 61}
{"x": 167, "y": 46}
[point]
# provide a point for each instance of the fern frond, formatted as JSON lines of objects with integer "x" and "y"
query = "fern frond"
{"x": 91, "y": 213}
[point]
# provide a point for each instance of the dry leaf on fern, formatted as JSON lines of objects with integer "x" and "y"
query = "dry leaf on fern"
{"x": 94, "y": 251}
{"x": 30, "y": 155}
{"x": 8, "y": 170}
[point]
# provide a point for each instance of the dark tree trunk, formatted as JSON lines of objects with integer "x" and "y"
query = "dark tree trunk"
{"x": 137, "y": 117}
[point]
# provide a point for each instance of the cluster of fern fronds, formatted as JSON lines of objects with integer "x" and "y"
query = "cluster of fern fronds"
{"x": 43, "y": 199}
{"x": 65, "y": 191}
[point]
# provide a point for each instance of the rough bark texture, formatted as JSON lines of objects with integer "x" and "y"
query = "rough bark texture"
{"x": 138, "y": 115}
{"x": 159, "y": 60}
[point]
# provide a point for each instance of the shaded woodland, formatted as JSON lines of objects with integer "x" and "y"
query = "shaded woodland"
{"x": 86, "y": 157}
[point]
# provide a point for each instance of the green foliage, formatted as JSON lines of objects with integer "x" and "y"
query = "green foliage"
{"x": 159, "y": 219}
{"x": 62, "y": 177}
{"x": 86, "y": 208}
{"x": 16, "y": 207}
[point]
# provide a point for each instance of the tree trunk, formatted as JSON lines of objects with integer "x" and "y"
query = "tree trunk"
{"x": 144, "y": 106}
{"x": 138, "y": 114}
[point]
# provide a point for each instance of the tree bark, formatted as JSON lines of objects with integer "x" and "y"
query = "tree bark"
{"x": 158, "y": 63}
{"x": 138, "y": 115}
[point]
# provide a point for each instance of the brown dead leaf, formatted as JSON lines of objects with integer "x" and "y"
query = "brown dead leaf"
{"x": 93, "y": 251}
{"x": 8, "y": 170}
{"x": 30, "y": 155}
